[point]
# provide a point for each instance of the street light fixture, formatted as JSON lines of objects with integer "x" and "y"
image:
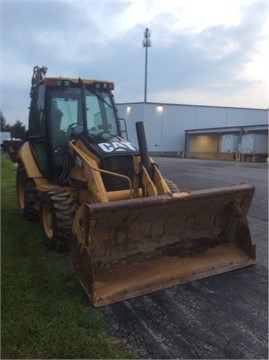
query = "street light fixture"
{"x": 146, "y": 45}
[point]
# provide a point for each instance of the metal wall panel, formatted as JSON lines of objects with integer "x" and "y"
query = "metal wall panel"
{"x": 166, "y": 124}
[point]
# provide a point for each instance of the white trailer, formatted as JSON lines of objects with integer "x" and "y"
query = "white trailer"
{"x": 229, "y": 143}
{"x": 254, "y": 144}
{"x": 4, "y": 135}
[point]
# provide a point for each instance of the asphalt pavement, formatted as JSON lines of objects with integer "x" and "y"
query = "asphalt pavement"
{"x": 221, "y": 317}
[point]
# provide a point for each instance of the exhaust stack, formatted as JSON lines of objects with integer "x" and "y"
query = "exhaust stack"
{"x": 143, "y": 147}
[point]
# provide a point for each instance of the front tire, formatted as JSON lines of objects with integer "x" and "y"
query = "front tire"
{"x": 57, "y": 211}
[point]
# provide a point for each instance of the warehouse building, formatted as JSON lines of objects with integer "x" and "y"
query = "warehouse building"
{"x": 194, "y": 131}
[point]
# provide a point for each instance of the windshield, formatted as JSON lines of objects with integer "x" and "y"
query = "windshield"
{"x": 66, "y": 112}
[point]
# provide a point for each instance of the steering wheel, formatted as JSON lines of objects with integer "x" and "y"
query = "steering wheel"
{"x": 69, "y": 129}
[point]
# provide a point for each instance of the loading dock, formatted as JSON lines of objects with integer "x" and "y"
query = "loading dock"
{"x": 240, "y": 143}
{"x": 196, "y": 131}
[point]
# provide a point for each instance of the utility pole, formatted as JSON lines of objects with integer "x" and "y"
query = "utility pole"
{"x": 146, "y": 45}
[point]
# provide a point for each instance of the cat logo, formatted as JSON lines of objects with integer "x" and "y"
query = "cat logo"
{"x": 117, "y": 146}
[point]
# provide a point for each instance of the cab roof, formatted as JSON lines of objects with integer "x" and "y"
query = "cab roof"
{"x": 54, "y": 81}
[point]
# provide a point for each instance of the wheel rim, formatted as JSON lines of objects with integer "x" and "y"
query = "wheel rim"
{"x": 21, "y": 197}
{"x": 47, "y": 221}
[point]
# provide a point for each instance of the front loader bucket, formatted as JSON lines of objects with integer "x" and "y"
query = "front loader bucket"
{"x": 128, "y": 248}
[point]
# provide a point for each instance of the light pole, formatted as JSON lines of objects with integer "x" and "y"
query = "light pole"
{"x": 146, "y": 44}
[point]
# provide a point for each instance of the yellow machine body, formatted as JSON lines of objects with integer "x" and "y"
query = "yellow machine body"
{"x": 139, "y": 238}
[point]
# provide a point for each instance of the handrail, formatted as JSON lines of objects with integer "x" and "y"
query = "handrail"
{"x": 84, "y": 156}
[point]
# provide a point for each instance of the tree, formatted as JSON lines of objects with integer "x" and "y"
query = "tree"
{"x": 3, "y": 122}
{"x": 18, "y": 130}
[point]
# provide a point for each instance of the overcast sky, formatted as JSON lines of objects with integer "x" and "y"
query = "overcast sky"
{"x": 204, "y": 52}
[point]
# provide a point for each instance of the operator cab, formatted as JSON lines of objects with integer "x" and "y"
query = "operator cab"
{"x": 64, "y": 109}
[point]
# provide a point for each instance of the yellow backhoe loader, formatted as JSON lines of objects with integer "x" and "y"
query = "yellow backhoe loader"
{"x": 128, "y": 230}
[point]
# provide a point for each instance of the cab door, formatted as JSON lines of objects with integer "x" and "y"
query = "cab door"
{"x": 37, "y": 129}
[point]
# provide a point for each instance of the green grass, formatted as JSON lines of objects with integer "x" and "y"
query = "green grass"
{"x": 45, "y": 313}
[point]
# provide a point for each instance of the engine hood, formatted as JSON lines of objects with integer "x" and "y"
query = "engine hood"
{"x": 111, "y": 145}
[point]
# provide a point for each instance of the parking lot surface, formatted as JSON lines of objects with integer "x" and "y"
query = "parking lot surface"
{"x": 221, "y": 317}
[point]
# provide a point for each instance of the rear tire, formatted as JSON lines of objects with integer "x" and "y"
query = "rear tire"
{"x": 172, "y": 186}
{"x": 57, "y": 211}
{"x": 26, "y": 194}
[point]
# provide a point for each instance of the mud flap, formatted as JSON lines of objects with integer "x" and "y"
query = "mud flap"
{"x": 128, "y": 248}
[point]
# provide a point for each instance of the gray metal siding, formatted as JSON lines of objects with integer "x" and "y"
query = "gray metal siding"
{"x": 165, "y": 129}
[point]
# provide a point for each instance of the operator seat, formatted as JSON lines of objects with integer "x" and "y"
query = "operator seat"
{"x": 59, "y": 139}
